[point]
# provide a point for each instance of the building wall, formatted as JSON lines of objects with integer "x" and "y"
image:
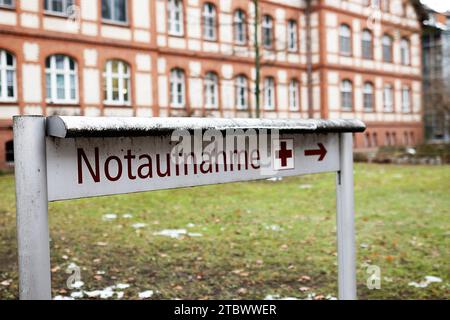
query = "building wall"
{"x": 146, "y": 46}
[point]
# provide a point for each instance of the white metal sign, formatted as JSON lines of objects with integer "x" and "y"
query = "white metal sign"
{"x": 86, "y": 167}
{"x": 60, "y": 158}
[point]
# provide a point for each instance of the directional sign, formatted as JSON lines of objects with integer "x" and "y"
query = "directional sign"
{"x": 58, "y": 158}
{"x": 106, "y": 166}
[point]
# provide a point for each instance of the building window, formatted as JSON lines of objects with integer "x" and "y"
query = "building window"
{"x": 292, "y": 35}
{"x": 240, "y": 31}
{"x": 345, "y": 40}
{"x": 241, "y": 93}
{"x": 267, "y": 32}
{"x": 294, "y": 97}
{"x": 61, "y": 79}
{"x": 388, "y": 98}
{"x": 9, "y": 151}
{"x": 387, "y": 140}
{"x": 7, "y": 76}
{"x": 375, "y": 139}
{"x": 211, "y": 90}
{"x": 367, "y": 44}
{"x": 387, "y": 48}
{"x": 177, "y": 88}
{"x": 117, "y": 83}
{"x": 405, "y": 52}
{"x": 347, "y": 95}
{"x": 209, "y": 22}
{"x": 175, "y": 17}
{"x": 57, "y": 6}
{"x": 406, "y": 99}
{"x": 269, "y": 93}
{"x": 368, "y": 96}
{"x": 114, "y": 10}
{"x": 7, "y": 3}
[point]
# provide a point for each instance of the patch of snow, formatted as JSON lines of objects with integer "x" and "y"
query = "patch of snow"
{"x": 278, "y": 297}
{"x": 122, "y": 285}
{"x": 139, "y": 225}
{"x": 195, "y": 234}
{"x": 77, "y": 294}
{"x": 275, "y": 179}
{"x": 109, "y": 217}
{"x": 273, "y": 227}
{"x": 431, "y": 279}
{"x": 305, "y": 186}
{"x": 146, "y": 294}
{"x": 127, "y": 216}
{"x": 425, "y": 283}
{"x": 172, "y": 233}
{"x": 77, "y": 284}
{"x": 190, "y": 225}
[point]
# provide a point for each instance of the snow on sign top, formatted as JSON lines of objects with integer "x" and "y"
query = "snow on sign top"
{"x": 73, "y": 127}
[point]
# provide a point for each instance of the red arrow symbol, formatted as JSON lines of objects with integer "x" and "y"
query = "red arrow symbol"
{"x": 317, "y": 152}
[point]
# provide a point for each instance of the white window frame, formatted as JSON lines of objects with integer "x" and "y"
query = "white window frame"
{"x": 347, "y": 89}
{"x": 240, "y": 29}
{"x": 294, "y": 95}
{"x": 177, "y": 81}
{"x": 292, "y": 36}
{"x": 9, "y": 6}
{"x": 175, "y": 18}
{"x": 241, "y": 92}
{"x": 345, "y": 40}
{"x": 211, "y": 90}
{"x": 406, "y": 99}
{"x": 269, "y": 93}
{"x": 113, "y": 8}
{"x": 267, "y": 32}
{"x": 53, "y": 72}
{"x": 405, "y": 52}
{"x": 388, "y": 98}
{"x": 209, "y": 17}
{"x": 65, "y": 4}
{"x": 123, "y": 75}
{"x": 4, "y": 77}
{"x": 368, "y": 93}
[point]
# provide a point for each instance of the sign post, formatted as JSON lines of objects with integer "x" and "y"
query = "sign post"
{"x": 61, "y": 158}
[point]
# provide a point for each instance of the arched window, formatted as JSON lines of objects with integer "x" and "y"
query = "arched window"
{"x": 292, "y": 35}
{"x": 211, "y": 90}
{"x": 177, "y": 88}
{"x": 347, "y": 95}
{"x": 368, "y": 96}
{"x": 294, "y": 97}
{"x": 367, "y": 44}
{"x": 240, "y": 30}
{"x": 209, "y": 21}
{"x": 405, "y": 51}
{"x": 267, "y": 32}
{"x": 387, "y": 48}
{"x": 345, "y": 40}
{"x": 117, "y": 83}
{"x": 9, "y": 151}
{"x": 406, "y": 99}
{"x": 269, "y": 93}
{"x": 241, "y": 92}
{"x": 388, "y": 98}
{"x": 175, "y": 17}
{"x": 8, "y": 80}
{"x": 61, "y": 79}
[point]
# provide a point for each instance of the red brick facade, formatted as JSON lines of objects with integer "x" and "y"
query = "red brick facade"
{"x": 143, "y": 42}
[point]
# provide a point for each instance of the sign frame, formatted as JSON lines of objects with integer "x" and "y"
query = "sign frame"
{"x": 30, "y": 148}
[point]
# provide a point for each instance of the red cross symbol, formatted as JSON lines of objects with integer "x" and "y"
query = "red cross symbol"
{"x": 284, "y": 154}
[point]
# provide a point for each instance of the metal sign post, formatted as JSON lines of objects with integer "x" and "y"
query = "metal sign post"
{"x": 60, "y": 158}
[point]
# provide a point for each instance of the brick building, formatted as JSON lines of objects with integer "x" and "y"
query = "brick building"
{"x": 329, "y": 59}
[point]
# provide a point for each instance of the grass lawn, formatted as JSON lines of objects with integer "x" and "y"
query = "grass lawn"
{"x": 248, "y": 240}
